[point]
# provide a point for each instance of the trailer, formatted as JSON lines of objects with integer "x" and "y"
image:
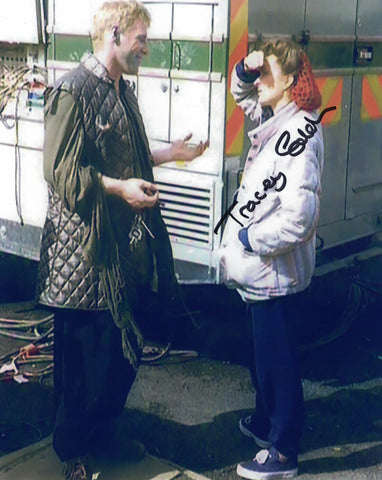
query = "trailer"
{"x": 182, "y": 87}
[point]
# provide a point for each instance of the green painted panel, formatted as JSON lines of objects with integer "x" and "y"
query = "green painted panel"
{"x": 190, "y": 55}
{"x": 220, "y": 58}
{"x": 159, "y": 54}
{"x": 186, "y": 55}
{"x": 68, "y": 48}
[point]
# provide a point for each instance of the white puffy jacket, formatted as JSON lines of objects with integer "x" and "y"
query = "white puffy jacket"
{"x": 281, "y": 217}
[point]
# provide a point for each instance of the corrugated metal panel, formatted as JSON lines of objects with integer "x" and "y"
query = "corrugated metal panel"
{"x": 276, "y": 16}
{"x": 187, "y": 212}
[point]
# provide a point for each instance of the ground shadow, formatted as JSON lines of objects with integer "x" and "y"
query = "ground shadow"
{"x": 216, "y": 329}
{"x": 26, "y": 415}
{"x": 330, "y": 421}
{"x": 340, "y": 461}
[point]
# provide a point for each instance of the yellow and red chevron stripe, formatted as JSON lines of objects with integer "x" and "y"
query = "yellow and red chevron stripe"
{"x": 371, "y": 108}
{"x": 238, "y": 46}
{"x": 331, "y": 93}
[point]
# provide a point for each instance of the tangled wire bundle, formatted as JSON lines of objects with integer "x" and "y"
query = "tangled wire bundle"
{"x": 13, "y": 80}
{"x": 35, "y": 359}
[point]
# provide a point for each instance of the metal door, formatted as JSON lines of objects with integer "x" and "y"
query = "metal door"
{"x": 275, "y": 17}
{"x": 364, "y": 188}
{"x": 70, "y": 16}
{"x": 21, "y": 21}
{"x": 190, "y": 109}
{"x": 154, "y": 103}
{"x": 193, "y": 21}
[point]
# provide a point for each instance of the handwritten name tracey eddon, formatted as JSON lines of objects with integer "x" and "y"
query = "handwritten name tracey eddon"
{"x": 250, "y": 206}
{"x": 283, "y": 147}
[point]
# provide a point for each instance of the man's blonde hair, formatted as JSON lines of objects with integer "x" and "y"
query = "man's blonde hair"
{"x": 119, "y": 12}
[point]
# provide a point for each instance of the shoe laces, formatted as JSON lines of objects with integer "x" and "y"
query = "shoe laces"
{"x": 248, "y": 420}
{"x": 262, "y": 456}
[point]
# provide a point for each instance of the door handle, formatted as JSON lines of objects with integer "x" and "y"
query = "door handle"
{"x": 177, "y": 56}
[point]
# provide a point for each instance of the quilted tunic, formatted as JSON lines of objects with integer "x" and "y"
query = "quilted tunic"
{"x": 111, "y": 141}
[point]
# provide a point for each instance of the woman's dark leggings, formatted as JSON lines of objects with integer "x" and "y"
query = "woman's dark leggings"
{"x": 275, "y": 373}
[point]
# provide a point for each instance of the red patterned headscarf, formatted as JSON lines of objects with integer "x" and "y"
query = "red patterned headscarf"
{"x": 305, "y": 93}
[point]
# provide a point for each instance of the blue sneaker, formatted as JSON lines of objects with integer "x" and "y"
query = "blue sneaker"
{"x": 247, "y": 427}
{"x": 267, "y": 465}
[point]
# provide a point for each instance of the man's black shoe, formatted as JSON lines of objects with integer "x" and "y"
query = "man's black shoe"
{"x": 117, "y": 448}
{"x": 77, "y": 469}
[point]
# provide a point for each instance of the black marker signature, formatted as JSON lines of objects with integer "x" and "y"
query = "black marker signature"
{"x": 298, "y": 146}
{"x": 294, "y": 149}
{"x": 250, "y": 206}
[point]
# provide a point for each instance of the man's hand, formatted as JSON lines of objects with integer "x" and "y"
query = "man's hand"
{"x": 182, "y": 151}
{"x": 179, "y": 150}
{"x": 254, "y": 60}
{"x": 138, "y": 193}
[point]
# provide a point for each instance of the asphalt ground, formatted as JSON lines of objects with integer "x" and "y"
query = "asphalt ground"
{"x": 186, "y": 409}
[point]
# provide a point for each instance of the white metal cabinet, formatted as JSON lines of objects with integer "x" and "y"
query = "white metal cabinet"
{"x": 22, "y": 186}
{"x": 21, "y": 21}
{"x": 154, "y": 103}
{"x": 161, "y": 19}
{"x": 190, "y": 109}
{"x": 192, "y": 21}
{"x": 70, "y": 16}
{"x": 174, "y": 106}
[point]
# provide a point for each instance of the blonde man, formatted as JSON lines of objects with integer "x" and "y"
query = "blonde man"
{"x": 105, "y": 252}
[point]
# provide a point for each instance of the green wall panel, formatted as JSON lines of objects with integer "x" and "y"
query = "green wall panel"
{"x": 220, "y": 58}
{"x": 68, "y": 48}
{"x": 185, "y": 55}
{"x": 159, "y": 54}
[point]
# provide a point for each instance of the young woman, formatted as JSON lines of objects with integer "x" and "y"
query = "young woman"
{"x": 268, "y": 247}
